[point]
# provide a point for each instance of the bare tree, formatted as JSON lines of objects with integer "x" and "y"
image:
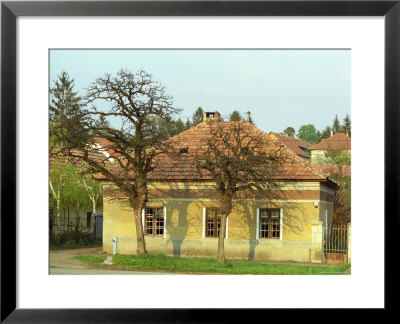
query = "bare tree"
{"x": 117, "y": 121}
{"x": 239, "y": 158}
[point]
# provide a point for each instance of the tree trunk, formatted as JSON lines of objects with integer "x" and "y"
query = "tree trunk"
{"x": 141, "y": 244}
{"x": 226, "y": 208}
{"x": 77, "y": 219}
{"x": 94, "y": 205}
{"x": 221, "y": 239}
{"x": 58, "y": 222}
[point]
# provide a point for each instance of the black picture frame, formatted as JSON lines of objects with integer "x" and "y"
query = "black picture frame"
{"x": 10, "y": 10}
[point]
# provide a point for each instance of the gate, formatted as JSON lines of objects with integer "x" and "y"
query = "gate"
{"x": 98, "y": 226}
{"x": 335, "y": 244}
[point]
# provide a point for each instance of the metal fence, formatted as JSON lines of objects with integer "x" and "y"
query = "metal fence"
{"x": 335, "y": 238}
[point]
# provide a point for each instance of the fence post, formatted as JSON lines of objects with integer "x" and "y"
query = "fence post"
{"x": 317, "y": 242}
{"x": 349, "y": 243}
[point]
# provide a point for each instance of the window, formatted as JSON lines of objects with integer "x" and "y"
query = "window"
{"x": 213, "y": 222}
{"x": 270, "y": 223}
{"x": 154, "y": 221}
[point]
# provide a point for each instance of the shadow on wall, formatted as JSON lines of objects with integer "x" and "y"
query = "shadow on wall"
{"x": 181, "y": 213}
{"x": 294, "y": 216}
{"x": 177, "y": 224}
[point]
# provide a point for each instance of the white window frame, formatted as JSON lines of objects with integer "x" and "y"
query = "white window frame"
{"x": 165, "y": 222}
{"x": 280, "y": 224}
{"x": 204, "y": 222}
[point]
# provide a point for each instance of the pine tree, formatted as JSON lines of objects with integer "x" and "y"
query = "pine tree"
{"x": 347, "y": 125}
{"x": 62, "y": 97}
{"x": 326, "y": 133}
{"x": 179, "y": 126}
{"x": 188, "y": 124}
{"x": 64, "y": 104}
{"x": 336, "y": 126}
{"x": 235, "y": 116}
{"x": 197, "y": 116}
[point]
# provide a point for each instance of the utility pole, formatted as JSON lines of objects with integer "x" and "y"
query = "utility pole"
{"x": 248, "y": 116}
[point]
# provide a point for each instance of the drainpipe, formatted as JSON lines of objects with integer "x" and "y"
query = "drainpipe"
{"x": 115, "y": 241}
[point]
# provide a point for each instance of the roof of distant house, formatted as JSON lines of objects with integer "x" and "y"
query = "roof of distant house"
{"x": 107, "y": 147}
{"x": 293, "y": 144}
{"x": 338, "y": 141}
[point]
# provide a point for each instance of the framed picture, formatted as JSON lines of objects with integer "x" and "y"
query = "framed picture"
{"x": 34, "y": 33}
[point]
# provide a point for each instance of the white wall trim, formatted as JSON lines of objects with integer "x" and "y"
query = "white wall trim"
{"x": 165, "y": 222}
{"x": 204, "y": 222}
{"x": 258, "y": 224}
{"x": 143, "y": 224}
{"x": 226, "y": 230}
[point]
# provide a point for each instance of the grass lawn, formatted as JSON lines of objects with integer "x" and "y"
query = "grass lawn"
{"x": 162, "y": 262}
{"x": 90, "y": 259}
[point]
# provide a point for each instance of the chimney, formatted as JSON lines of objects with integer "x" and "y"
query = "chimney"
{"x": 331, "y": 133}
{"x": 211, "y": 116}
{"x": 248, "y": 116}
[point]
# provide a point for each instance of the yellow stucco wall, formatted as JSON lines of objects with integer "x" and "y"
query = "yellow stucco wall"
{"x": 184, "y": 228}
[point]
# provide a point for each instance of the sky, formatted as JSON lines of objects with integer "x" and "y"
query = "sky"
{"x": 280, "y": 88}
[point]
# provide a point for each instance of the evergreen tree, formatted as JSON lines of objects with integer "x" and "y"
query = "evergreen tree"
{"x": 235, "y": 116}
{"x": 188, "y": 124}
{"x": 336, "y": 125}
{"x": 197, "y": 116}
{"x": 179, "y": 127}
{"x": 64, "y": 104}
{"x": 62, "y": 97}
{"x": 326, "y": 133}
{"x": 347, "y": 125}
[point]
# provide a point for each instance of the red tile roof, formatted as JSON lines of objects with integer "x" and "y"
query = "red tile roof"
{"x": 106, "y": 146}
{"x": 293, "y": 144}
{"x": 338, "y": 141}
{"x": 182, "y": 167}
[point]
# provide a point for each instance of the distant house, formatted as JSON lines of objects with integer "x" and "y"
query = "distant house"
{"x": 299, "y": 147}
{"x": 339, "y": 143}
{"x": 107, "y": 148}
{"x": 182, "y": 214}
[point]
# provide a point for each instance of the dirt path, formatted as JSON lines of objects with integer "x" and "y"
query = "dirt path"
{"x": 62, "y": 262}
{"x": 63, "y": 259}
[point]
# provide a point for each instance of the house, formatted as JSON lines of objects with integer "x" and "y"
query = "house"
{"x": 181, "y": 216}
{"x": 338, "y": 144}
{"x": 299, "y": 147}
